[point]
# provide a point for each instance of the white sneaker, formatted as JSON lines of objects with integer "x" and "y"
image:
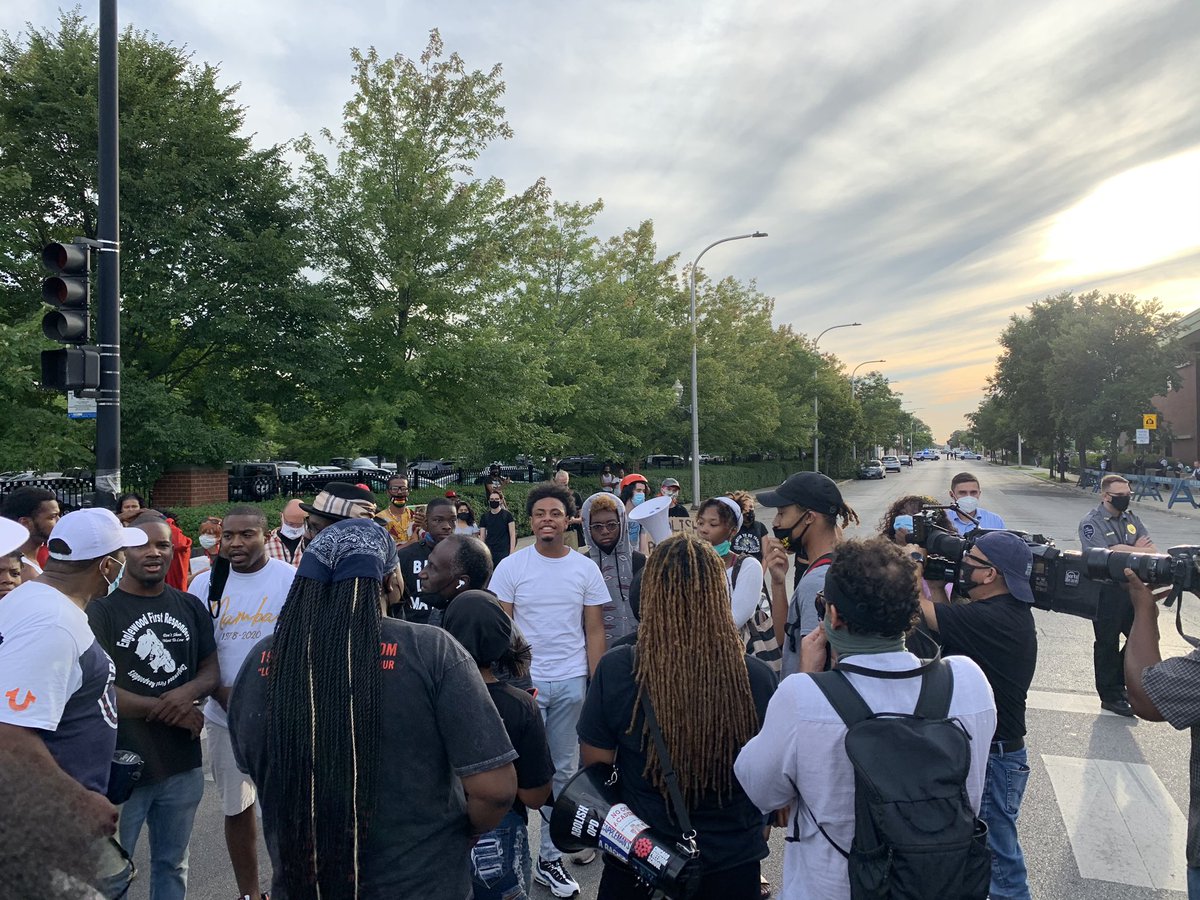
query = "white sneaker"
{"x": 552, "y": 874}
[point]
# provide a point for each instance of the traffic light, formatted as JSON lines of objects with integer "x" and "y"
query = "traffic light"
{"x": 67, "y": 291}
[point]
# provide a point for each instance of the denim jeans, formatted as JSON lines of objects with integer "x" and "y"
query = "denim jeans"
{"x": 168, "y": 808}
{"x": 560, "y": 702}
{"x": 1193, "y": 883}
{"x": 500, "y": 865}
{"x": 1007, "y": 775}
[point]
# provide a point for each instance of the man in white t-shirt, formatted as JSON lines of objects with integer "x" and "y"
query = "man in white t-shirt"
{"x": 799, "y": 760}
{"x": 249, "y": 591}
{"x": 59, "y": 707}
{"x": 557, "y": 598}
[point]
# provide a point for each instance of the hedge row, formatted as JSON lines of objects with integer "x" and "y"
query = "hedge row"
{"x": 714, "y": 480}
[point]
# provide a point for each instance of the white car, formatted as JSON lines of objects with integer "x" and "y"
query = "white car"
{"x": 891, "y": 463}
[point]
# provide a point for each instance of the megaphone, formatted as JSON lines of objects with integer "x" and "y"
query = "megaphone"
{"x": 654, "y": 515}
{"x": 587, "y": 813}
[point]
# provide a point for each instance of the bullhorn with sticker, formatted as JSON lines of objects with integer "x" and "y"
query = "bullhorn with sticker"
{"x": 589, "y": 813}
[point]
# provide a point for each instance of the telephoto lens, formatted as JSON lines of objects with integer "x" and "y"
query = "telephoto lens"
{"x": 1110, "y": 565}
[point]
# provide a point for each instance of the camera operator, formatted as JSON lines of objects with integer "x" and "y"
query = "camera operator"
{"x": 996, "y": 630}
{"x": 1113, "y": 526}
{"x": 1166, "y": 690}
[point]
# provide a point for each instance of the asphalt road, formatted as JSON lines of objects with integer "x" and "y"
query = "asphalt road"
{"x": 1106, "y": 806}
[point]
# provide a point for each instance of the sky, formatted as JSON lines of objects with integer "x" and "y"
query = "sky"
{"x": 925, "y": 167}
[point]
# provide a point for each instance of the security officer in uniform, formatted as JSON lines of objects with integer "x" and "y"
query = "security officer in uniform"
{"x": 1113, "y": 526}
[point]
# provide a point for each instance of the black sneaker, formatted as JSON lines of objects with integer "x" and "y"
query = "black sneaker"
{"x": 552, "y": 874}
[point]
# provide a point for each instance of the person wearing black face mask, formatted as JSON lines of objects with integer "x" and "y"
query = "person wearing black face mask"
{"x": 809, "y": 518}
{"x": 749, "y": 539}
{"x": 498, "y": 528}
{"x": 1113, "y": 526}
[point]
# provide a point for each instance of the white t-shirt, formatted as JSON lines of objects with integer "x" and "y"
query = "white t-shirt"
{"x": 58, "y": 681}
{"x": 746, "y": 594}
{"x": 803, "y": 739}
{"x": 250, "y": 604}
{"x": 548, "y": 597}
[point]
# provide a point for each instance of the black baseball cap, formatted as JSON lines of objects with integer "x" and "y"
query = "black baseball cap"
{"x": 812, "y": 490}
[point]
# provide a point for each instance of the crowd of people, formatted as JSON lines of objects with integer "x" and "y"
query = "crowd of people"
{"x": 392, "y": 691}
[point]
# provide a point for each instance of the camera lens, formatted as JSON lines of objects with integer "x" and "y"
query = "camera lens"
{"x": 1110, "y": 565}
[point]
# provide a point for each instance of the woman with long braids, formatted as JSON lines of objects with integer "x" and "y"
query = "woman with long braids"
{"x": 316, "y": 706}
{"x": 709, "y": 699}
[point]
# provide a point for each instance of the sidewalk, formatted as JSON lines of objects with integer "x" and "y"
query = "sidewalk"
{"x": 1181, "y": 508}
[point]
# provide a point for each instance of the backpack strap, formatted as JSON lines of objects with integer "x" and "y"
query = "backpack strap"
{"x": 937, "y": 685}
{"x": 738, "y": 559}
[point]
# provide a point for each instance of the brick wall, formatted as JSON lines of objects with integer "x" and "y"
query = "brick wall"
{"x": 191, "y": 486}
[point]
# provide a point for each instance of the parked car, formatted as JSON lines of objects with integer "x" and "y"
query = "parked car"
{"x": 253, "y": 481}
{"x": 891, "y": 463}
{"x": 969, "y": 454}
{"x": 666, "y": 461}
{"x": 905, "y": 459}
{"x": 872, "y": 468}
{"x": 431, "y": 468}
{"x": 579, "y": 465}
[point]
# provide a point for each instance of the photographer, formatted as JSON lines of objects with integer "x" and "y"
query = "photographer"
{"x": 1112, "y": 526}
{"x": 1166, "y": 690}
{"x": 996, "y": 630}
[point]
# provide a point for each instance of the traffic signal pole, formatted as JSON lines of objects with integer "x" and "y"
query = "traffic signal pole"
{"x": 108, "y": 400}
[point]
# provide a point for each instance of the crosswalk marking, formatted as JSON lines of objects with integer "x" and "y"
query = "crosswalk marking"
{"x": 1062, "y": 702}
{"x": 1122, "y": 823}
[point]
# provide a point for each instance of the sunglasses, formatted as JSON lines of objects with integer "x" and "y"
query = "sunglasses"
{"x": 605, "y": 526}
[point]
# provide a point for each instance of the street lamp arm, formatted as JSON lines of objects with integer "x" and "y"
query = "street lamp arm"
{"x": 816, "y": 405}
{"x": 736, "y": 237}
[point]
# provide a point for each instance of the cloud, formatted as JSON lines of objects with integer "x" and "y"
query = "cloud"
{"x": 911, "y": 160}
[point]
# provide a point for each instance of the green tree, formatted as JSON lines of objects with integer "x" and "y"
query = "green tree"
{"x": 216, "y": 320}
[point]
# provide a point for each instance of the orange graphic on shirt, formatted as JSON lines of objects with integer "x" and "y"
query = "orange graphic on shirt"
{"x": 24, "y": 704}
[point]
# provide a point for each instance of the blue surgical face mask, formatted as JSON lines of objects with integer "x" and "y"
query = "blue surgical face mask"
{"x": 722, "y": 548}
{"x": 639, "y": 499}
{"x": 905, "y": 522}
{"x": 116, "y": 582}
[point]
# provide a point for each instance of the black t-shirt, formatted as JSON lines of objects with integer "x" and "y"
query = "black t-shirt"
{"x": 748, "y": 541}
{"x": 412, "y": 560}
{"x": 728, "y": 835}
{"x": 156, "y": 644}
{"x": 678, "y": 511}
{"x": 999, "y": 634}
{"x": 496, "y": 524}
{"x": 437, "y": 725}
{"x": 523, "y": 722}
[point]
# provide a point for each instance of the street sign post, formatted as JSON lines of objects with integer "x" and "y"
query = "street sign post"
{"x": 80, "y": 407}
{"x": 1150, "y": 421}
{"x": 1143, "y": 436}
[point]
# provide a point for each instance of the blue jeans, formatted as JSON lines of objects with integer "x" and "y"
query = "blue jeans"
{"x": 560, "y": 702}
{"x": 1007, "y": 775}
{"x": 500, "y": 865}
{"x": 168, "y": 807}
{"x": 1193, "y": 883}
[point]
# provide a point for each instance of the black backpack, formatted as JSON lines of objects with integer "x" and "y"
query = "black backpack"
{"x": 915, "y": 834}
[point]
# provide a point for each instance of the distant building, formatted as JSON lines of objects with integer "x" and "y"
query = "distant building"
{"x": 1179, "y": 409}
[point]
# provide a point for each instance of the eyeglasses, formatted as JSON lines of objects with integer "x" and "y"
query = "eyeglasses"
{"x": 604, "y": 526}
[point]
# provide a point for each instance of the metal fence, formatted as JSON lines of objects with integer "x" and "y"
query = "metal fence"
{"x": 266, "y": 487}
{"x": 71, "y": 493}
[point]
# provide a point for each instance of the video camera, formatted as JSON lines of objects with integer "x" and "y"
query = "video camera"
{"x": 1066, "y": 581}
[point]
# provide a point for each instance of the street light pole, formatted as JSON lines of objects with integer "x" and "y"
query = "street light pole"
{"x": 695, "y": 402}
{"x": 853, "y": 372}
{"x": 816, "y": 406}
{"x": 912, "y": 422}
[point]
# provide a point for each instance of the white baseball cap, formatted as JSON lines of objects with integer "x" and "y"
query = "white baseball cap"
{"x": 91, "y": 534}
{"x": 12, "y": 536}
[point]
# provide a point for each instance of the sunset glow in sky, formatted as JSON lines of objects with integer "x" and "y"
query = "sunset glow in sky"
{"x": 926, "y": 167}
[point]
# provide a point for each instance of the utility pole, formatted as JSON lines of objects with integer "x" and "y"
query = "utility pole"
{"x": 108, "y": 401}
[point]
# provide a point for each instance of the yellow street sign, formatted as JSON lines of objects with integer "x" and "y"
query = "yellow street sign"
{"x": 1150, "y": 420}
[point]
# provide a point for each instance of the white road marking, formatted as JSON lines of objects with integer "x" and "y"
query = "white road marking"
{"x": 1122, "y": 823}
{"x": 1063, "y": 702}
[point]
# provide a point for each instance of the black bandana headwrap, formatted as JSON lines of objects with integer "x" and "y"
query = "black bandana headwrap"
{"x": 355, "y": 548}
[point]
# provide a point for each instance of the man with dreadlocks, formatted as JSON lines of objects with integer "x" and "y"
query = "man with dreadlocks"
{"x": 315, "y": 705}
{"x": 709, "y": 699}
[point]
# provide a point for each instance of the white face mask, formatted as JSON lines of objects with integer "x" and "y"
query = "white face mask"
{"x": 969, "y": 505}
{"x": 208, "y": 541}
{"x": 291, "y": 531}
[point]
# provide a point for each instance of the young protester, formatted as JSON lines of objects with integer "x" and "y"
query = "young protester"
{"x": 500, "y": 862}
{"x": 749, "y": 539}
{"x": 897, "y": 524}
{"x": 498, "y": 528}
{"x": 10, "y": 572}
{"x": 314, "y": 703}
{"x": 36, "y": 508}
{"x": 705, "y": 715}
{"x": 466, "y": 519}
{"x": 717, "y": 521}
{"x": 608, "y": 547}
{"x": 634, "y": 490}
{"x": 208, "y": 548}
